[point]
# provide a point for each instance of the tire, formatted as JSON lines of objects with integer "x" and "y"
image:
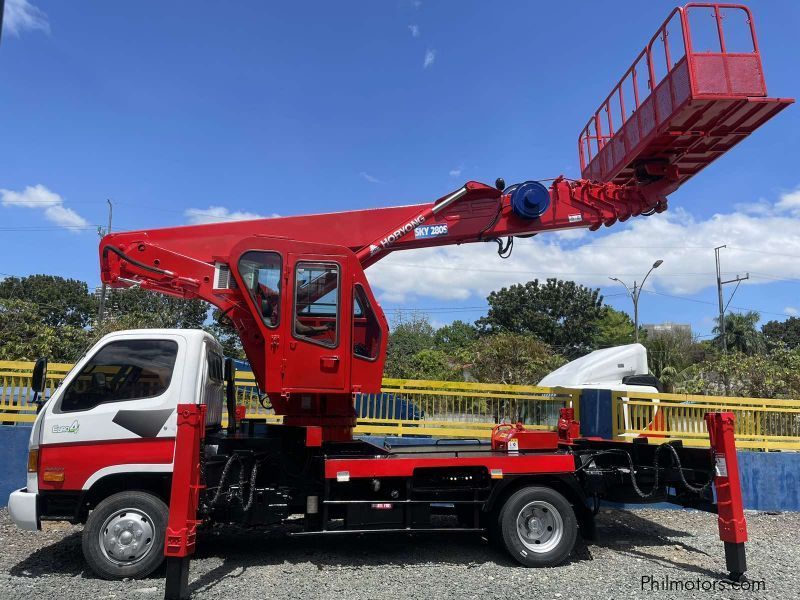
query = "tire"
{"x": 124, "y": 535}
{"x": 538, "y": 527}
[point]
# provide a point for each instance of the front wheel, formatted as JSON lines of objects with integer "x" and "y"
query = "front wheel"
{"x": 124, "y": 535}
{"x": 538, "y": 527}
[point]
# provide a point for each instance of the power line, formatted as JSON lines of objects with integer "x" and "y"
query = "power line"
{"x": 698, "y": 301}
{"x": 532, "y": 272}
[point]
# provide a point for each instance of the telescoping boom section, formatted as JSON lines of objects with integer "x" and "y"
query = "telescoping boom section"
{"x": 296, "y": 291}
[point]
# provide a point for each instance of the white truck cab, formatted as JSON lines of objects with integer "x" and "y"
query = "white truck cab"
{"x": 621, "y": 368}
{"x": 101, "y": 449}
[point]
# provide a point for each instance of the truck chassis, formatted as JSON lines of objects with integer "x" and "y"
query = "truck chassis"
{"x": 533, "y": 499}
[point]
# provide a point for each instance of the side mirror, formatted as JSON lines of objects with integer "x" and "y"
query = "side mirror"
{"x": 39, "y": 377}
{"x": 230, "y": 370}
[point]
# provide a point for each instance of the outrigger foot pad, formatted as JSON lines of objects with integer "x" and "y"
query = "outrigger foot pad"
{"x": 735, "y": 561}
{"x": 177, "y": 580}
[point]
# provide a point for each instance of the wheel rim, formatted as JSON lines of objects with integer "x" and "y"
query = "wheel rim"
{"x": 539, "y": 526}
{"x": 127, "y": 536}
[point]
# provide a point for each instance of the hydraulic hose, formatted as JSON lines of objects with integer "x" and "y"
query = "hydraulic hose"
{"x": 657, "y": 470}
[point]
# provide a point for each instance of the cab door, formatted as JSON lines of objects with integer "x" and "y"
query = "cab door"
{"x": 317, "y": 354}
{"x": 297, "y": 295}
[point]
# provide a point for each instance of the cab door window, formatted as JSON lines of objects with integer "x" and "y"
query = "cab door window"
{"x": 316, "y": 303}
{"x": 261, "y": 273}
{"x": 366, "y": 329}
{"x": 120, "y": 371}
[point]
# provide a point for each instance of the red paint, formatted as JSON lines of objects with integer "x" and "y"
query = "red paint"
{"x": 313, "y": 437}
{"x": 81, "y": 460}
{"x": 730, "y": 509}
{"x": 704, "y": 104}
{"x": 506, "y": 434}
{"x": 394, "y": 466}
{"x": 184, "y": 497}
{"x": 568, "y": 428}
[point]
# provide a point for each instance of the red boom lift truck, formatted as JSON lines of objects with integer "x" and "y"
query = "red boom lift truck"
{"x": 133, "y": 445}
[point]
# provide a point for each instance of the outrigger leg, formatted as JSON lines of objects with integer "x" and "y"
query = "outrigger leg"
{"x": 184, "y": 500}
{"x": 730, "y": 509}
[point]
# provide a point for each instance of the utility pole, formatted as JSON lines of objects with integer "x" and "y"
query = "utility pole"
{"x": 722, "y": 306}
{"x": 102, "y": 306}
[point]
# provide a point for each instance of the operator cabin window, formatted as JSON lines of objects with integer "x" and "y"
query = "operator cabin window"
{"x": 121, "y": 371}
{"x": 261, "y": 273}
{"x": 366, "y": 330}
{"x": 316, "y": 303}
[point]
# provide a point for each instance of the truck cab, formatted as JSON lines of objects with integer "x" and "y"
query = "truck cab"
{"x": 103, "y": 444}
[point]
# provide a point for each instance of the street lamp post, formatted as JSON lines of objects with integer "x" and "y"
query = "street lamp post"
{"x": 634, "y": 294}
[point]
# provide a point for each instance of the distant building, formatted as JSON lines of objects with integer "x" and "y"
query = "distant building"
{"x": 667, "y": 327}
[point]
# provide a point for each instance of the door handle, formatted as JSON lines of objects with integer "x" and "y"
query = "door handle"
{"x": 329, "y": 362}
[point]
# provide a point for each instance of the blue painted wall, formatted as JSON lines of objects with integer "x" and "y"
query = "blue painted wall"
{"x": 770, "y": 480}
{"x": 14, "y": 459}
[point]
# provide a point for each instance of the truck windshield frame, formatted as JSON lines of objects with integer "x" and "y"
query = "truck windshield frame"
{"x": 121, "y": 371}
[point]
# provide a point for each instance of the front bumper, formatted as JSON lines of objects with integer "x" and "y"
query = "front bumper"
{"x": 23, "y": 506}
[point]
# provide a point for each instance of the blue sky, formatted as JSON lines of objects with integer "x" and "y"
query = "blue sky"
{"x": 188, "y": 111}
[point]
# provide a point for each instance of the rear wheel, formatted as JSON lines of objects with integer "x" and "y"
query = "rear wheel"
{"x": 538, "y": 527}
{"x": 124, "y": 535}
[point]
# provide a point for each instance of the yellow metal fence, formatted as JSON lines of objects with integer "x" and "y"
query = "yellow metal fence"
{"x": 439, "y": 408}
{"x": 761, "y": 424}
{"x": 459, "y": 409}
{"x": 404, "y": 407}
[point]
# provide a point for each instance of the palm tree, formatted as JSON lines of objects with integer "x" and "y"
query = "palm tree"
{"x": 740, "y": 332}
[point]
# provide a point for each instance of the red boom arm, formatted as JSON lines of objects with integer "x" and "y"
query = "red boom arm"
{"x": 695, "y": 112}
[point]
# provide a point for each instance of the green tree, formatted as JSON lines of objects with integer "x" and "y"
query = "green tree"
{"x": 24, "y": 335}
{"x": 410, "y": 335}
{"x": 135, "y": 308}
{"x": 614, "y": 328}
{"x": 772, "y": 375}
{"x": 511, "y": 358}
{"x": 143, "y": 308}
{"x": 563, "y": 314}
{"x": 455, "y": 336}
{"x": 59, "y": 301}
{"x": 782, "y": 332}
{"x": 741, "y": 334}
{"x": 668, "y": 349}
{"x": 431, "y": 363}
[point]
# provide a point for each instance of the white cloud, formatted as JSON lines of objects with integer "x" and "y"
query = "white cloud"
{"x": 789, "y": 202}
{"x": 21, "y": 15}
{"x": 456, "y": 172}
{"x": 370, "y": 178}
{"x": 64, "y": 217}
{"x": 791, "y": 310}
{"x": 414, "y": 29}
{"x": 219, "y": 214}
{"x": 767, "y": 247}
{"x": 430, "y": 57}
{"x": 51, "y": 204}
{"x": 37, "y": 196}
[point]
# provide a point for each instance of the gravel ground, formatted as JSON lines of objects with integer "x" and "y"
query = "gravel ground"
{"x": 680, "y": 545}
